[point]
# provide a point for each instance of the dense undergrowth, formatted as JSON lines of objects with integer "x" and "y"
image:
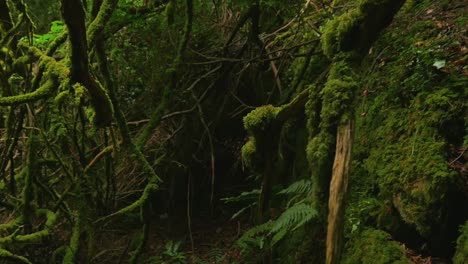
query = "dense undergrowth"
{"x": 211, "y": 131}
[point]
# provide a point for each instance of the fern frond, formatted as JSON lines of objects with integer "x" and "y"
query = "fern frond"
{"x": 244, "y": 196}
{"x": 244, "y": 209}
{"x": 298, "y": 187}
{"x": 291, "y": 219}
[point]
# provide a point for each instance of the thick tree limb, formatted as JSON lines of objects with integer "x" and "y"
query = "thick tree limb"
{"x": 74, "y": 16}
{"x": 40, "y": 93}
{"x": 96, "y": 27}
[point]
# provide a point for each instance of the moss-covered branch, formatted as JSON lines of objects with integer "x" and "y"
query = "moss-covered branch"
{"x": 35, "y": 237}
{"x": 74, "y": 16}
{"x": 41, "y": 93}
{"x": 5, "y": 254}
{"x": 96, "y": 27}
{"x": 149, "y": 189}
{"x": 72, "y": 250}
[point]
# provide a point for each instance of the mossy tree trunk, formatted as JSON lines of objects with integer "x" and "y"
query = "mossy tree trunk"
{"x": 345, "y": 41}
{"x": 74, "y": 16}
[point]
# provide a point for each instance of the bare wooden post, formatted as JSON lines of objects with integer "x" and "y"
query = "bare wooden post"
{"x": 338, "y": 188}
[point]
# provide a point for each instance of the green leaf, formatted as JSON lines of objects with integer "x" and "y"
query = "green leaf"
{"x": 439, "y": 64}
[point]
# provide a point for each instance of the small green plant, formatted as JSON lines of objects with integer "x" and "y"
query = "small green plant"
{"x": 172, "y": 254}
{"x": 298, "y": 212}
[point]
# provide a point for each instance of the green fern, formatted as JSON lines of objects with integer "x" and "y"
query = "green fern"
{"x": 297, "y": 191}
{"x": 292, "y": 219}
{"x": 298, "y": 187}
{"x": 251, "y": 197}
{"x": 255, "y": 238}
{"x": 243, "y": 197}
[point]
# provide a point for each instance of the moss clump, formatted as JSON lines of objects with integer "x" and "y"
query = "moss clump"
{"x": 259, "y": 124}
{"x": 249, "y": 152}
{"x": 336, "y": 35}
{"x": 319, "y": 148}
{"x": 358, "y": 28}
{"x": 338, "y": 94}
{"x": 376, "y": 247}
{"x": 260, "y": 119}
{"x": 413, "y": 174}
{"x": 461, "y": 254}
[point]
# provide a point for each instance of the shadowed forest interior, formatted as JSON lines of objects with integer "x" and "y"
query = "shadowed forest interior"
{"x": 234, "y": 131}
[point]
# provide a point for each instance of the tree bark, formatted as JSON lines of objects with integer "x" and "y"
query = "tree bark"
{"x": 74, "y": 16}
{"x": 338, "y": 188}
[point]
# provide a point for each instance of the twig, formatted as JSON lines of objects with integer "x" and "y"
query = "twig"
{"x": 459, "y": 156}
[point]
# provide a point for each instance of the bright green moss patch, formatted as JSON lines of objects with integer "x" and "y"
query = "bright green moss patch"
{"x": 260, "y": 119}
{"x": 374, "y": 247}
{"x": 358, "y": 28}
{"x": 259, "y": 124}
{"x": 249, "y": 152}
{"x": 41, "y": 93}
{"x": 461, "y": 255}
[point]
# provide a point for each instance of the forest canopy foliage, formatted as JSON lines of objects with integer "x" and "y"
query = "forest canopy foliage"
{"x": 260, "y": 131}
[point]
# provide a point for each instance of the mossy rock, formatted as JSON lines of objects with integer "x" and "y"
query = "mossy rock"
{"x": 374, "y": 247}
{"x": 414, "y": 176}
{"x": 461, "y": 254}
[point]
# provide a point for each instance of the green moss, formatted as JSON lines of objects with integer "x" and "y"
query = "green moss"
{"x": 338, "y": 94}
{"x": 12, "y": 225}
{"x": 401, "y": 145}
{"x": 72, "y": 251}
{"x": 260, "y": 119}
{"x": 357, "y": 29}
{"x": 97, "y": 26}
{"x": 41, "y": 93}
{"x": 414, "y": 176}
{"x": 249, "y": 152}
{"x": 35, "y": 237}
{"x": 461, "y": 254}
{"x": 5, "y": 254}
{"x": 259, "y": 124}
{"x": 374, "y": 247}
{"x": 336, "y": 34}
{"x": 144, "y": 198}
{"x": 318, "y": 149}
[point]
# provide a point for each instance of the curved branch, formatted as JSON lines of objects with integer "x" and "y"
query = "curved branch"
{"x": 40, "y": 93}
{"x": 8, "y": 255}
{"x": 96, "y": 27}
{"x": 33, "y": 237}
